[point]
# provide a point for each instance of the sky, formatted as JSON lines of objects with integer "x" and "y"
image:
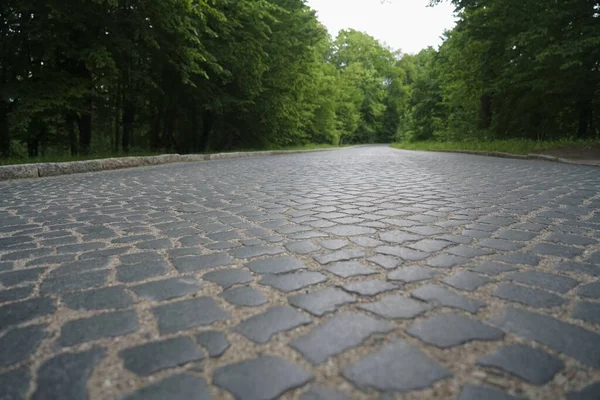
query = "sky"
{"x": 407, "y": 25}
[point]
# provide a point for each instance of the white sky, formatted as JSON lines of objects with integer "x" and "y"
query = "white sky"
{"x": 407, "y": 25}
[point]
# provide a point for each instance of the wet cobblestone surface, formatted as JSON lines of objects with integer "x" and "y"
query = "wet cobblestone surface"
{"x": 360, "y": 273}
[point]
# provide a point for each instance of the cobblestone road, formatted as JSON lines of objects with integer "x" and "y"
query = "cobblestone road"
{"x": 358, "y": 273}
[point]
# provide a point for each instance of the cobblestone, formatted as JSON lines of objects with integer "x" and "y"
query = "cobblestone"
{"x": 340, "y": 266}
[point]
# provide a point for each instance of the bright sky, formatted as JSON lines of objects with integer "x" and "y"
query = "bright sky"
{"x": 407, "y": 25}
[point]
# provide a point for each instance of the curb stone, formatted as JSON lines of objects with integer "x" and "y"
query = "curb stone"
{"x": 41, "y": 170}
{"x": 500, "y": 154}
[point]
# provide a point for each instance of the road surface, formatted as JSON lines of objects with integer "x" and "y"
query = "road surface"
{"x": 358, "y": 273}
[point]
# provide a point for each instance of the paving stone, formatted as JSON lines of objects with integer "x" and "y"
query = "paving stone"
{"x": 13, "y": 278}
{"x": 14, "y": 384}
{"x": 167, "y": 288}
{"x": 449, "y": 330}
{"x": 260, "y": 328}
{"x": 277, "y": 265}
{"x": 255, "y": 251}
{"x": 470, "y": 392}
{"x": 572, "y": 340}
{"x": 181, "y": 315}
{"x": 338, "y": 334}
{"x": 322, "y": 301}
{"x": 447, "y": 261}
{"x": 303, "y": 247}
{"x": 396, "y": 307}
{"x": 244, "y": 296}
{"x": 228, "y": 277}
{"x": 293, "y": 281}
{"x": 430, "y": 245}
{"x": 556, "y": 250}
{"x": 412, "y": 273}
{"x": 16, "y": 293}
{"x": 528, "y": 296}
{"x": 6, "y": 266}
{"x": 465, "y": 280}
{"x": 347, "y": 269}
{"x": 402, "y": 252}
{"x": 142, "y": 257}
{"x": 176, "y": 387}
{"x": 262, "y": 378}
{"x": 467, "y": 251}
{"x": 579, "y": 268}
{"x": 199, "y": 263}
{"x": 349, "y": 230}
{"x": 425, "y": 230}
{"x": 65, "y": 376}
{"x": 587, "y": 311}
{"x": 27, "y": 310}
{"x": 110, "y": 324}
{"x": 493, "y": 268}
{"x": 365, "y": 241}
{"x": 518, "y": 258}
{"x": 533, "y": 365}
{"x": 214, "y": 342}
{"x": 98, "y": 299}
{"x": 590, "y": 392}
{"x": 591, "y": 290}
{"x": 440, "y": 295}
{"x": 66, "y": 283}
{"x": 396, "y": 367}
{"x": 80, "y": 266}
{"x": 571, "y": 239}
{"x": 322, "y": 393}
{"x": 369, "y": 287}
{"x": 155, "y": 244}
{"x": 19, "y": 343}
{"x": 511, "y": 234}
{"x": 25, "y": 254}
{"x": 386, "y": 262}
{"x": 342, "y": 255}
{"x": 141, "y": 272}
{"x": 149, "y": 358}
{"x": 556, "y": 283}
{"x": 334, "y": 244}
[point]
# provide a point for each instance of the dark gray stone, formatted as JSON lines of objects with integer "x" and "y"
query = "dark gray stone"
{"x": 16, "y": 293}
{"x": 571, "y": 239}
{"x": 440, "y": 295}
{"x": 98, "y": 299}
{"x": 528, "y": 296}
{"x": 14, "y": 384}
{"x": 166, "y": 289}
{"x": 365, "y": 241}
{"x": 396, "y": 367}
{"x": 347, "y": 269}
{"x": 369, "y": 287}
{"x": 350, "y": 230}
{"x": 256, "y": 251}
{"x": 140, "y": 272}
{"x": 155, "y": 244}
{"x": 396, "y": 307}
{"x": 293, "y": 281}
{"x": 176, "y": 387}
{"x": 67, "y": 283}
{"x": 65, "y": 376}
{"x": 493, "y": 268}
{"x": 338, "y": 334}
{"x": 516, "y": 235}
{"x": 449, "y": 330}
{"x": 590, "y": 392}
{"x": 303, "y": 247}
{"x": 447, "y": 261}
{"x": 465, "y": 280}
{"x": 77, "y": 267}
{"x": 277, "y": 265}
{"x": 412, "y": 274}
{"x": 403, "y": 252}
{"x": 149, "y": 358}
{"x": 501, "y": 244}
{"x": 572, "y": 340}
{"x": 550, "y": 249}
{"x": 579, "y": 268}
{"x": 322, "y": 301}
{"x": 470, "y": 392}
{"x": 228, "y": 277}
{"x": 214, "y": 342}
{"x": 262, "y": 378}
{"x": 334, "y": 244}
{"x": 591, "y": 290}
{"x": 142, "y": 257}
{"x": 260, "y": 328}
{"x": 556, "y": 283}
{"x": 111, "y": 324}
{"x": 17, "y": 344}
{"x": 244, "y": 296}
{"x": 533, "y": 365}
{"x": 387, "y": 262}
{"x": 399, "y": 237}
{"x": 467, "y": 251}
{"x": 519, "y": 258}
{"x": 322, "y": 393}
{"x": 430, "y": 245}
{"x": 341, "y": 255}
{"x": 199, "y": 263}
{"x": 587, "y": 311}
{"x": 23, "y": 311}
{"x": 13, "y": 278}
{"x": 80, "y": 247}
{"x": 187, "y": 314}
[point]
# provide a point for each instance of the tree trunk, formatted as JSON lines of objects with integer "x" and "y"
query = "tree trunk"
{"x": 70, "y": 126}
{"x": 117, "y": 122}
{"x": 485, "y": 112}
{"x": 128, "y": 118}
{"x": 4, "y": 130}
{"x": 32, "y": 147}
{"x": 207, "y": 124}
{"x": 155, "y": 137}
{"x": 585, "y": 130}
{"x": 85, "y": 131}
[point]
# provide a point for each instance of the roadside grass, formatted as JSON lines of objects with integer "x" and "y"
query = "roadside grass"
{"x": 506, "y": 146}
{"x": 52, "y": 158}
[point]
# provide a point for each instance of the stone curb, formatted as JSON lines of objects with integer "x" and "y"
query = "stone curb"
{"x": 500, "y": 154}
{"x": 41, "y": 170}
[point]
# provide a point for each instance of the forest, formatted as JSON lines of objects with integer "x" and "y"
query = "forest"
{"x": 191, "y": 76}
